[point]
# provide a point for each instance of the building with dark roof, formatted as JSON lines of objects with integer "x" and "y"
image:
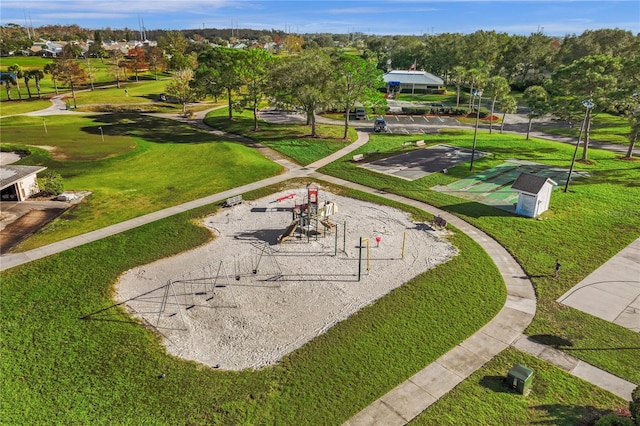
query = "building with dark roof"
{"x": 534, "y": 194}
{"x": 17, "y": 183}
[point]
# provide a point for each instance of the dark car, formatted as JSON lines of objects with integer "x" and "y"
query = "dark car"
{"x": 380, "y": 125}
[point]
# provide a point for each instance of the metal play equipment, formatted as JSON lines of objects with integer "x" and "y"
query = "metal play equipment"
{"x": 309, "y": 215}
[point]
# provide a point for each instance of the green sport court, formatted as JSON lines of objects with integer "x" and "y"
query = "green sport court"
{"x": 493, "y": 186}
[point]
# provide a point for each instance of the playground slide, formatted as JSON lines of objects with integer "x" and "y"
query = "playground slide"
{"x": 328, "y": 224}
{"x": 288, "y": 232}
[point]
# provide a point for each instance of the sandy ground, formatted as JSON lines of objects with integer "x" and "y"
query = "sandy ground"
{"x": 245, "y": 301}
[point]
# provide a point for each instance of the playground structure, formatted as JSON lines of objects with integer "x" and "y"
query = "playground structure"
{"x": 245, "y": 301}
{"x": 308, "y": 215}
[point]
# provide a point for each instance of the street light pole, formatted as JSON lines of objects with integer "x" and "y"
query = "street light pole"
{"x": 588, "y": 105}
{"x": 475, "y": 132}
{"x": 101, "y": 133}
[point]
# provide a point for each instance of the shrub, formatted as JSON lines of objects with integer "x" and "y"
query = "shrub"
{"x": 614, "y": 420}
{"x": 51, "y": 183}
{"x": 634, "y": 405}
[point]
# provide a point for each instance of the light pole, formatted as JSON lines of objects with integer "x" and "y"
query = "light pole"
{"x": 475, "y": 132}
{"x": 101, "y": 133}
{"x": 588, "y": 105}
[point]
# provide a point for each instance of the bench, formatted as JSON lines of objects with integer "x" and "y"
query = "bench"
{"x": 233, "y": 201}
{"x": 358, "y": 157}
{"x": 420, "y": 143}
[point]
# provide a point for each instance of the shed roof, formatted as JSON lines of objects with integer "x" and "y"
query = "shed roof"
{"x": 413, "y": 77}
{"x": 9, "y": 175}
{"x": 531, "y": 184}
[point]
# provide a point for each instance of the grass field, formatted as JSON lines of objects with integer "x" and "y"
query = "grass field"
{"x": 584, "y": 228}
{"x": 556, "y": 398}
{"x": 139, "y": 168}
{"x": 291, "y": 140}
{"x": 58, "y": 367}
{"x": 604, "y": 128}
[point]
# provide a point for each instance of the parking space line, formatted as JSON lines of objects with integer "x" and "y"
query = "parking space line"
{"x": 425, "y": 119}
{"x": 411, "y": 118}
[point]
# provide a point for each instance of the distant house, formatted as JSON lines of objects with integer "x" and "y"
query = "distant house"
{"x": 17, "y": 183}
{"x": 412, "y": 82}
{"x": 534, "y": 194}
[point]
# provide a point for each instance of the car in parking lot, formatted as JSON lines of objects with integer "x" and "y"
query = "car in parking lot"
{"x": 380, "y": 125}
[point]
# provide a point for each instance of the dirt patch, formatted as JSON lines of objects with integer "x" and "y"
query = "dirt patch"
{"x": 25, "y": 226}
{"x": 245, "y": 301}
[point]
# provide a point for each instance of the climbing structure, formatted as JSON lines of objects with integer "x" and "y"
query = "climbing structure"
{"x": 309, "y": 215}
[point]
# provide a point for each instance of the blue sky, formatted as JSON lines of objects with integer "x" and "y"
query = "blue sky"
{"x": 417, "y": 17}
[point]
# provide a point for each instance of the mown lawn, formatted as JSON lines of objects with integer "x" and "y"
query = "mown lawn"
{"x": 70, "y": 356}
{"x": 604, "y": 128}
{"x": 291, "y": 140}
{"x": 583, "y": 228}
{"x": 140, "y": 167}
{"x": 556, "y": 398}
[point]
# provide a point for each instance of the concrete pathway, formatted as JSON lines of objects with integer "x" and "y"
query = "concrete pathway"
{"x": 413, "y": 396}
{"x": 574, "y": 366}
{"x": 611, "y": 292}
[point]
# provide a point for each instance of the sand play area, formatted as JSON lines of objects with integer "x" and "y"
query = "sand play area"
{"x": 245, "y": 300}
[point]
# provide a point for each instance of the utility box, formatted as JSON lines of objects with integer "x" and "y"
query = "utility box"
{"x": 520, "y": 378}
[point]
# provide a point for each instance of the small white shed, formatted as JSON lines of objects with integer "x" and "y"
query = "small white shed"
{"x": 534, "y": 194}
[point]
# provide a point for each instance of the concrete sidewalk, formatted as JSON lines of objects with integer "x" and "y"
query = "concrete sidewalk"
{"x": 611, "y": 292}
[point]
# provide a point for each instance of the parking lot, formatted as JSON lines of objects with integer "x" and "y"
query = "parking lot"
{"x": 408, "y": 124}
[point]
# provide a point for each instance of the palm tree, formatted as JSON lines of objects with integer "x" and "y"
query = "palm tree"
{"x": 37, "y": 75}
{"x": 54, "y": 69}
{"x": 16, "y": 70}
{"x": 509, "y": 105}
{"x": 8, "y": 79}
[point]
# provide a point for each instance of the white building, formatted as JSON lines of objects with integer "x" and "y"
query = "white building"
{"x": 401, "y": 81}
{"x": 17, "y": 183}
{"x": 534, "y": 194}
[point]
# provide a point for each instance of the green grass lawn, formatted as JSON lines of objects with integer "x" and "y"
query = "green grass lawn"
{"x": 556, "y": 398}
{"x": 604, "y": 128}
{"x": 584, "y": 228}
{"x": 138, "y": 169}
{"x": 60, "y": 368}
{"x": 291, "y": 140}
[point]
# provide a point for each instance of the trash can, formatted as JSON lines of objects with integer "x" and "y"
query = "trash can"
{"x": 520, "y": 378}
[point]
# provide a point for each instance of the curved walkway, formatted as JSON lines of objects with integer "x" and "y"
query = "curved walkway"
{"x": 413, "y": 396}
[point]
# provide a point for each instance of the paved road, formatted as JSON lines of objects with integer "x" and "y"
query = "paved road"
{"x": 410, "y": 398}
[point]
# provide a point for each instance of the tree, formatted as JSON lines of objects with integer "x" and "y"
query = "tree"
{"x": 628, "y": 103}
{"x": 137, "y": 60}
{"x": 498, "y": 86}
{"x": 156, "y": 60}
{"x": 593, "y": 79}
{"x": 55, "y": 70}
{"x": 117, "y": 58}
{"x": 509, "y": 105}
{"x": 458, "y": 76}
{"x": 219, "y": 69}
{"x": 537, "y": 100}
{"x": 476, "y": 78}
{"x": 37, "y": 75}
{"x": 180, "y": 88}
{"x": 293, "y": 43}
{"x": 72, "y": 74}
{"x": 304, "y": 81}
{"x": 356, "y": 80}
{"x": 16, "y": 70}
{"x": 9, "y": 80}
{"x": 254, "y": 68}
